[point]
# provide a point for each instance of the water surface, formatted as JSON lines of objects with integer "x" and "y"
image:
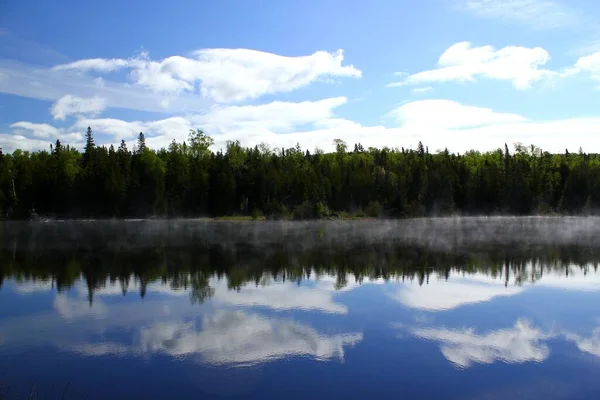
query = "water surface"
{"x": 483, "y": 308}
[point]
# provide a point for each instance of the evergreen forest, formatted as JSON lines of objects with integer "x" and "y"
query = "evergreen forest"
{"x": 189, "y": 180}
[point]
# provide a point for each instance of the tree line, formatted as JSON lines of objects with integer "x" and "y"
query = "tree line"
{"x": 189, "y": 180}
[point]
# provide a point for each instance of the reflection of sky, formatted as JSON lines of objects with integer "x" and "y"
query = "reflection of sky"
{"x": 518, "y": 344}
{"x": 173, "y": 327}
{"x": 230, "y": 337}
{"x": 449, "y": 327}
{"x": 439, "y": 294}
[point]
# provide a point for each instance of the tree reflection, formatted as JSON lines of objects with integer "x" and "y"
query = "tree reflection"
{"x": 189, "y": 262}
{"x": 200, "y": 289}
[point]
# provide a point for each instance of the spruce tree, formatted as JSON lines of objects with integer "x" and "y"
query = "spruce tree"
{"x": 141, "y": 143}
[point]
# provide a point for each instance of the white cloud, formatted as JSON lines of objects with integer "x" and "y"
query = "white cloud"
{"x": 158, "y": 133}
{"x": 37, "y": 130}
{"x": 459, "y": 127}
{"x": 447, "y": 114}
{"x": 537, "y": 14}
{"x": 175, "y": 84}
{"x": 226, "y": 74}
{"x": 278, "y": 116}
{"x": 589, "y": 344}
{"x": 41, "y": 131}
{"x": 236, "y": 74}
{"x": 281, "y": 296}
{"x": 69, "y": 308}
{"x": 10, "y": 142}
{"x": 95, "y": 64}
{"x": 463, "y": 347}
{"x": 439, "y": 295}
{"x": 459, "y": 290}
{"x": 577, "y": 278}
{"x": 35, "y": 82}
{"x": 589, "y": 64}
{"x": 77, "y": 106}
{"x": 456, "y": 126}
{"x": 43, "y": 136}
{"x": 230, "y": 337}
{"x": 422, "y": 90}
{"x": 116, "y": 128}
{"x": 462, "y": 62}
{"x": 233, "y": 337}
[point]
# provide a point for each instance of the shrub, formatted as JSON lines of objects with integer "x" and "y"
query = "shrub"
{"x": 304, "y": 210}
{"x": 373, "y": 209}
{"x": 322, "y": 210}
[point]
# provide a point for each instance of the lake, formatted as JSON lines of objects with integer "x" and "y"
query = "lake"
{"x": 448, "y": 308}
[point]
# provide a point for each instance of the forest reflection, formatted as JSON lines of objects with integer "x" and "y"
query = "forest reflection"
{"x": 193, "y": 268}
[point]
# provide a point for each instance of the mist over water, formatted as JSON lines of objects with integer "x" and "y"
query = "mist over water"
{"x": 322, "y": 309}
{"x": 432, "y": 233}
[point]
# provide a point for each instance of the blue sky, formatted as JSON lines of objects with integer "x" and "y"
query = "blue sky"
{"x": 462, "y": 74}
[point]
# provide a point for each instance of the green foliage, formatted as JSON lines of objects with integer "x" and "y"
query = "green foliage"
{"x": 322, "y": 210}
{"x": 374, "y": 209}
{"x": 188, "y": 180}
{"x": 305, "y": 210}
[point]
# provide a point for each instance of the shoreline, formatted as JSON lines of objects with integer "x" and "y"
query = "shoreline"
{"x": 243, "y": 218}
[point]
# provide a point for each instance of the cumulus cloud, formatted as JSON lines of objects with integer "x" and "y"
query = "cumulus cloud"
{"x": 252, "y": 73}
{"x": 225, "y": 74}
{"x": 440, "y": 295}
{"x": 77, "y": 106}
{"x": 13, "y": 141}
{"x": 463, "y": 347}
{"x": 461, "y": 62}
{"x": 538, "y": 14}
{"x": 281, "y": 296}
{"x": 589, "y": 64}
{"x": 589, "y": 344}
{"x": 37, "y": 130}
{"x": 447, "y": 114}
{"x": 458, "y": 127}
{"x": 239, "y": 338}
{"x": 43, "y": 135}
{"x": 115, "y": 128}
{"x": 231, "y": 337}
{"x": 277, "y": 116}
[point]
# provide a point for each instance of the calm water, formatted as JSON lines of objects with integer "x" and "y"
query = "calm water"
{"x": 489, "y": 308}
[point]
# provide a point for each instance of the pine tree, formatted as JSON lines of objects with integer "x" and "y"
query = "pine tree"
{"x": 141, "y": 143}
{"x": 89, "y": 141}
{"x": 58, "y": 148}
{"x": 420, "y": 149}
{"x": 123, "y": 147}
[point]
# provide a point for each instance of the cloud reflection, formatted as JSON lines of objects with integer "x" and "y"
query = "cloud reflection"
{"x": 35, "y": 286}
{"x": 589, "y": 344}
{"x": 231, "y": 337}
{"x": 72, "y": 308}
{"x": 463, "y": 347}
{"x": 439, "y": 295}
{"x": 281, "y": 296}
